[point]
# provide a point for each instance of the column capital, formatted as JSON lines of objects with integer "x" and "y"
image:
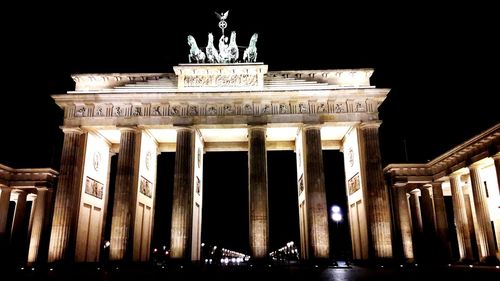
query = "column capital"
{"x": 370, "y": 124}
{"x": 19, "y": 191}
{"x": 479, "y": 164}
{"x": 401, "y": 184}
{"x": 129, "y": 128}
{"x": 31, "y": 196}
{"x": 41, "y": 188}
{"x": 257, "y": 126}
{"x": 427, "y": 186}
{"x": 5, "y": 188}
{"x": 184, "y": 128}
{"x": 68, "y": 130}
{"x": 415, "y": 191}
{"x": 459, "y": 172}
{"x": 308, "y": 126}
{"x": 15, "y": 193}
{"x": 437, "y": 182}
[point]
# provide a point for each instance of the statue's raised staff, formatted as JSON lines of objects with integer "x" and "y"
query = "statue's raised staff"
{"x": 195, "y": 54}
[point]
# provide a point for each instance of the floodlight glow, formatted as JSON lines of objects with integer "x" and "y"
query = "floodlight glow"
{"x": 336, "y": 213}
{"x": 336, "y": 217}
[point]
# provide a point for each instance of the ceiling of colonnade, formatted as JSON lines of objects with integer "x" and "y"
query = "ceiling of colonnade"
{"x": 216, "y": 137}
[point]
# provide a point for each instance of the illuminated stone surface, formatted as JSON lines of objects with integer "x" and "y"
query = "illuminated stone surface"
{"x": 257, "y": 190}
{"x": 20, "y": 186}
{"x": 469, "y": 174}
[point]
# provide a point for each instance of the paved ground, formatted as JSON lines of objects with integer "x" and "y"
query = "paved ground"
{"x": 255, "y": 273}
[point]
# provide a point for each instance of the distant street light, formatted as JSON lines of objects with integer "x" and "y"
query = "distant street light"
{"x": 336, "y": 214}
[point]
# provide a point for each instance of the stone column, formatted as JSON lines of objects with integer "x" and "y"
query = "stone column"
{"x": 257, "y": 192}
{"x": 462, "y": 228}
{"x": 442, "y": 234}
{"x": 4, "y": 212}
{"x": 404, "y": 222}
{"x": 496, "y": 158}
{"x": 484, "y": 233}
{"x": 182, "y": 205}
{"x": 428, "y": 219}
{"x": 317, "y": 213}
{"x": 428, "y": 222}
{"x": 19, "y": 212}
{"x": 67, "y": 196}
{"x": 471, "y": 223}
{"x": 19, "y": 234}
{"x": 376, "y": 194}
{"x": 43, "y": 246}
{"x": 416, "y": 222}
{"x": 125, "y": 197}
{"x": 39, "y": 210}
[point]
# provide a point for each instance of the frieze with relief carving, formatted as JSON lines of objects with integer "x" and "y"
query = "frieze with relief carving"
{"x": 353, "y": 184}
{"x": 227, "y": 109}
{"x": 236, "y": 80}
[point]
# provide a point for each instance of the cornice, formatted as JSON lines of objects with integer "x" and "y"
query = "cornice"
{"x": 470, "y": 152}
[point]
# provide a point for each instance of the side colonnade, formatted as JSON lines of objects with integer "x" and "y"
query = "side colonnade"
{"x": 469, "y": 174}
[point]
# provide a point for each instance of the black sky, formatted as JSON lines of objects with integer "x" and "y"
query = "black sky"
{"x": 440, "y": 62}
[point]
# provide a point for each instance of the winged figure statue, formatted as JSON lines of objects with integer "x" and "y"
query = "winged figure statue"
{"x": 222, "y": 16}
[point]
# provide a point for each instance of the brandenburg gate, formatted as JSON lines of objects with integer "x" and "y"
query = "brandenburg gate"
{"x": 202, "y": 108}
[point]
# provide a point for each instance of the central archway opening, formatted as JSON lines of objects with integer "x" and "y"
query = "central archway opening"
{"x": 225, "y": 203}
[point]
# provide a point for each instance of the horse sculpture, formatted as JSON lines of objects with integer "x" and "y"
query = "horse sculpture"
{"x": 211, "y": 51}
{"x": 195, "y": 54}
{"x": 232, "y": 49}
{"x": 250, "y": 53}
{"x": 227, "y": 53}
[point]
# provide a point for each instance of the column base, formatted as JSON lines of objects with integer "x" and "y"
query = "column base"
{"x": 490, "y": 260}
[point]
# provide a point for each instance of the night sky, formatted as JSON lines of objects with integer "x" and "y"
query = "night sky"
{"x": 440, "y": 62}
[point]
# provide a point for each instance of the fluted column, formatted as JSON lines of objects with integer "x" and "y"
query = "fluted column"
{"x": 496, "y": 158}
{"x": 19, "y": 213}
{"x": 443, "y": 237}
{"x": 257, "y": 192}
{"x": 43, "y": 246}
{"x": 125, "y": 197}
{"x": 484, "y": 232}
{"x": 463, "y": 235}
{"x": 4, "y": 212}
{"x": 416, "y": 222}
{"x": 182, "y": 205}
{"x": 39, "y": 210}
{"x": 404, "y": 222}
{"x": 68, "y": 192}
{"x": 428, "y": 216}
{"x": 428, "y": 222}
{"x": 377, "y": 204}
{"x": 19, "y": 233}
{"x": 317, "y": 214}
